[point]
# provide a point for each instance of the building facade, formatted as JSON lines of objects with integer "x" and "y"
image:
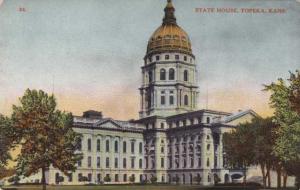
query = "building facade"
{"x": 172, "y": 140}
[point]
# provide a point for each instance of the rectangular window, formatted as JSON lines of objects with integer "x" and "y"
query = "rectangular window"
{"x": 98, "y": 162}
{"x": 124, "y": 147}
{"x": 79, "y": 163}
{"x": 116, "y": 177}
{"x": 162, "y": 162}
{"x": 116, "y": 163}
{"x": 124, "y": 177}
{"x": 107, "y": 162}
{"x": 162, "y": 100}
{"x": 171, "y": 99}
{"x": 89, "y": 161}
{"x": 167, "y": 57}
{"x": 98, "y": 145}
{"x": 124, "y": 163}
{"x": 89, "y": 177}
{"x": 79, "y": 176}
{"x": 177, "y": 57}
{"x": 132, "y": 162}
{"x": 89, "y": 144}
{"x": 157, "y": 58}
{"x": 141, "y": 148}
{"x": 184, "y": 58}
{"x": 132, "y": 147}
{"x": 80, "y": 144}
{"x": 70, "y": 177}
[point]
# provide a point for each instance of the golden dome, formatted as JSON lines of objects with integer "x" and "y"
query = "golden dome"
{"x": 169, "y": 37}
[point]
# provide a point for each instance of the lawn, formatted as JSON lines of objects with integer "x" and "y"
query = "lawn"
{"x": 127, "y": 187}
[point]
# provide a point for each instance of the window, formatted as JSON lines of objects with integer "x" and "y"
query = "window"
{"x": 162, "y": 149}
{"x": 162, "y": 74}
{"x": 79, "y": 144}
{"x": 199, "y": 162}
{"x": 167, "y": 57}
{"x": 171, "y": 74}
{"x": 150, "y": 76}
{"x": 98, "y": 162}
{"x": 124, "y": 146}
{"x": 207, "y": 120}
{"x": 207, "y": 162}
{"x": 192, "y": 162}
{"x": 89, "y": 177}
{"x": 107, "y": 145}
{"x": 132, "y": 147}
{"x": 98, "y": 145}
{"x": 208, "y": 147}
{"x": 116, "y": 177}
{"x": 162, "y": 100}
{"x": 184, "y": 162}
{"x": 107, "y": 162}
{"x": 116, "y": 163}
{"x": 177, "y": 57}
{"x": 89, "y": 144}
{"x": 125, "y": 177}
{"x": 79, "y": 163}
{"x": 70, "y": 177}
{"x": 171, "y": 100}
{"x": 146, "y": 161}
{"x": 132, "y": 162}
{"x": 157, "y": 58}
{"x": 98, "y": 178}
{"x": 79, "y": 176}
{"x": 192, "y": 121}
{"x": 89, "y": 161}
{"x": 184, "y": 122}
{"x": 116, "y": 146}
{"x": 186, "y": 100}
{"x": 162, "y": 125}
{"x": 185, "y": 58}
{"x": 124, "y": 163}
{"x": 162, "y": 162}
{"x": 140, "y": 163}
{"x": 185, "y": 75}
{"x": 141, "y": 148}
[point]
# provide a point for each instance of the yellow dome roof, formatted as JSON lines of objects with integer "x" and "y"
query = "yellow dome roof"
{"x": 169, "y": 37}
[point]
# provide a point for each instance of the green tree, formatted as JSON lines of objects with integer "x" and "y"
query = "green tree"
{"x": 132, "y": 178}
{"x": 107, "y": 178}
{"x": 45, "y": 135}
{"x": 153, "y": 179}
{"x": 5, "y": 140}
{"x": 284, "y": 100}
{"x": 238, "y": 146}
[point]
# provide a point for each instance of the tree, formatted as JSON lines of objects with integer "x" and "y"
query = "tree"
{"x": 5, "y": 140}
{"x": 294, "y": 95}
{"x": 238, "y": 146}
{"x": 284, "y": 100}
{"x": 132, "y": 178}
{"x": 197, "y": 179}
{"x": 153, "y": 179}
{"x": 45, "y": 135}
{"x": 107, "y": 178}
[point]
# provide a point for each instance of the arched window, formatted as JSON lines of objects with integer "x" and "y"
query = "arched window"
{"x": 116, "y": 146}
{"x": 186, "y": 100}
{"x": 185, "y": 75}
{"x": 171, "y": 74}
{"x": 150, "y": 76}
{"x": 207, "y": 162}
{"x": 124, "y": 163}
{"x": 89, "y": 144}
{"x": 162, "y": 74}
{"x": 107, "y": 145}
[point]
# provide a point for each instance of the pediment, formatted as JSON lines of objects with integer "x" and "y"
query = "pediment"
{"x": 108, "y": 124}
{"x": 239, "y": 118}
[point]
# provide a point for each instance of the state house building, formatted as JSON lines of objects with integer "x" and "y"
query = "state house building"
{"x": 172, "y": 140}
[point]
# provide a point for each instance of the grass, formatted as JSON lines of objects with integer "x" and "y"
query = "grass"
{"x": 127, "y": 187}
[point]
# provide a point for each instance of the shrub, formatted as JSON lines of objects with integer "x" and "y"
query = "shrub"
{"x": 153, "y": 179}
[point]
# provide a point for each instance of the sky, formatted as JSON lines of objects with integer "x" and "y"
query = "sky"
{"x": 89, "y": 53}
